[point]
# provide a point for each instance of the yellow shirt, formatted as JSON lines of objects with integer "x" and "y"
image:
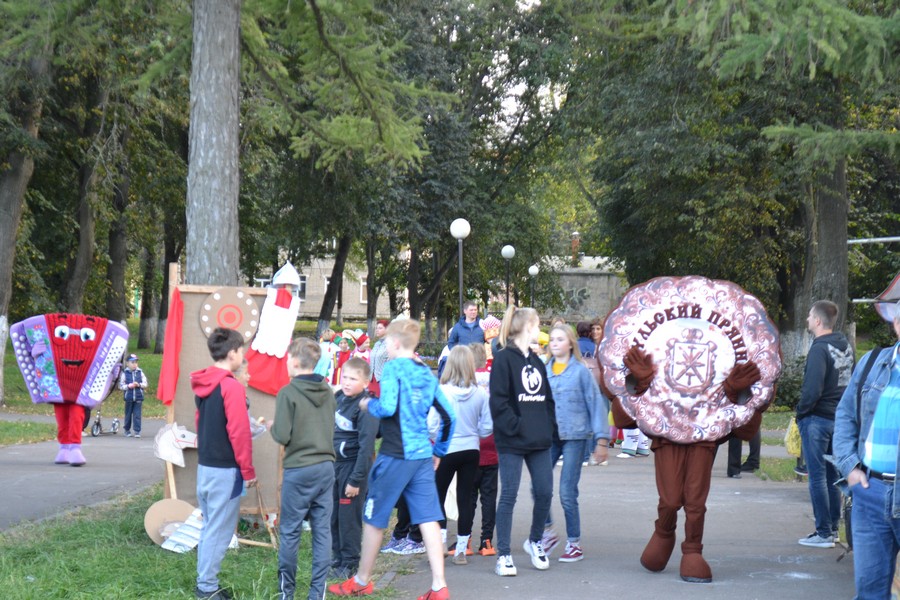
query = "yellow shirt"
{"x": 558, "y": 367}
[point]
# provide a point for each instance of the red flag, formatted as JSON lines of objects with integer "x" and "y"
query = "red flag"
{"x": 168, "y": 374}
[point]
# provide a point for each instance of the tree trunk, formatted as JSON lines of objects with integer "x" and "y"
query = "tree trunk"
{"x": 26, "y": 108}
{"x": 825, "y": 270}
{"x": 339, "y": 317}
{"x": 213, "y": 252}
{"x": 337, "y": 275}
{"x": 413, "y": 277}
{"x": 149, "y": 300}
{"x": 172, "y": 247}
{"x": 118, "y": 247}
{"x": 79, "y": 271}
{"x": 372, "y": 288}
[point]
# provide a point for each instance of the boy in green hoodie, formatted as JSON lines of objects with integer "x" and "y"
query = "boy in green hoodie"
{"x": 304, "y": 425}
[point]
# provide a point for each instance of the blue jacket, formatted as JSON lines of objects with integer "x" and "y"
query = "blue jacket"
{"x": 128, "y": 377}
{"x": 581, "y": 410}
{"x": 408, "y": 391}
{"x": 852, "y": 429}
{"x": 466, "y": 333}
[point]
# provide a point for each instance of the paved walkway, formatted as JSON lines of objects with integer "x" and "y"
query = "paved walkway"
{"x": 34, "y": 488}
{"x": 752, "y": 528}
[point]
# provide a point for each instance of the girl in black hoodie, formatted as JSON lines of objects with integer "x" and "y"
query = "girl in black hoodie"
{"x": 524, "y": 427}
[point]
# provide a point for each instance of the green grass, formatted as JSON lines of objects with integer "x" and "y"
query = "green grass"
{"x": 777, "y": 469}
{"x": 25, "y": 432}
{"x": 776, "y": 419}
{"x": 104, "y": 552}
{"x": 772, "y": 440}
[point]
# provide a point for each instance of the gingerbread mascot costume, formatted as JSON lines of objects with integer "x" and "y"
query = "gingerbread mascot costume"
{"x": 691, "y": 362}
{"x": 72, "y": 362}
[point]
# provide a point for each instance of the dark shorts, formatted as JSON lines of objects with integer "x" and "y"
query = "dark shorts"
{"x": 414, "y": 479}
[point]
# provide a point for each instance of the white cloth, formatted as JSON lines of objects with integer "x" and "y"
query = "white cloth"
{"x": 276, "y": 325}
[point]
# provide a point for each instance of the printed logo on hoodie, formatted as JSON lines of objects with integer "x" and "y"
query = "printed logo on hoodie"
{"x": 532, "y": 381}
{"x": 843, "y": 364}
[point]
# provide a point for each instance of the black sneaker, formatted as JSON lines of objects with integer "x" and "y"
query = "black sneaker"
{"x": 219, "y": 594}
{"x": 801, "y": 470}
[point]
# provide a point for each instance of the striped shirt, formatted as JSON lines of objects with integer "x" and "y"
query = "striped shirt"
{"x": 881, "y": 443}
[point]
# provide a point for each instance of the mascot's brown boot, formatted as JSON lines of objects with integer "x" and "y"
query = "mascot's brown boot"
{"x": 658, "y": 550}
{"x": 694, "y": 568}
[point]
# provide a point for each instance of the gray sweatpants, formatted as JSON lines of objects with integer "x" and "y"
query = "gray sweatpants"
{"x": 305, "y": 491}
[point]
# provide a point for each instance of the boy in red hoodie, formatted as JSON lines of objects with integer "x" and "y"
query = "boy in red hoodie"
{"x": 225, "y": 455}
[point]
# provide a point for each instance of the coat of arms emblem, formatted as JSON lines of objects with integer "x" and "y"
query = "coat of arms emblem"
{"x": 690, "y": 365}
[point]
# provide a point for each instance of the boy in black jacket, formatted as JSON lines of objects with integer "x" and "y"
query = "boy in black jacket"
{"x": 354, "y": 446}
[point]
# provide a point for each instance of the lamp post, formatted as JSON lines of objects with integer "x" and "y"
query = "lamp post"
{"x": 533, "y": 270}
{"x": 576, "y": 242}
{"x": 460, "y": 229}
{"x": 507, "y": 252}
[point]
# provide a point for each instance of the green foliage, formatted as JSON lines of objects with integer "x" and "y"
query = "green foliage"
{"x": 787, "y": 392}
{"x": 330, "y": 67}
{"x": 800, "y": 36}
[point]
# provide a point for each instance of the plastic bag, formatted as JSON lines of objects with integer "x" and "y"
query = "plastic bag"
{"x": 792, "y": 438}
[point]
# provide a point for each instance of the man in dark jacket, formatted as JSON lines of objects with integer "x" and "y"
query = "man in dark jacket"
{"x": 829, "y": 365}
{"x": 468, "y": 329}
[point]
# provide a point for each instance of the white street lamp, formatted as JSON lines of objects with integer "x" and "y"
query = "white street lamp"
{"x": 460, "y": 230}
{"x": 533, "y": 270}
{"x": 507, "y": 252}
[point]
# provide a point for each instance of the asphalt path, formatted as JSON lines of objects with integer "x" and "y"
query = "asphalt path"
{"x": 752, "y": 528}
{"x": 34, "y": 488}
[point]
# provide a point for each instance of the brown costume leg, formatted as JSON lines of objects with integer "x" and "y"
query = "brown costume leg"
{"x": 670, "y": 473}
{"x": 698, "y": 471}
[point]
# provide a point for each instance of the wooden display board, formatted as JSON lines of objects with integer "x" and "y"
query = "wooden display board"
{"x": 194, "y": 356}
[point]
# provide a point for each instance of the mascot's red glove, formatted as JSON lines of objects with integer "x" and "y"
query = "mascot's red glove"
{"x": 738, "y": 382}
{"x": 642, "y": 371}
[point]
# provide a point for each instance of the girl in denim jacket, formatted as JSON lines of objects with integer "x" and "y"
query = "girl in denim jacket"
{"x": 582, "y": 416}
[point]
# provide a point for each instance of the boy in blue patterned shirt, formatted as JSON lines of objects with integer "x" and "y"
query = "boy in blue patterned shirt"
{"x": 406, "y": 461}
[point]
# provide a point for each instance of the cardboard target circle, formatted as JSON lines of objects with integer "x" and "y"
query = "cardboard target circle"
{"x": 232, "y": 308}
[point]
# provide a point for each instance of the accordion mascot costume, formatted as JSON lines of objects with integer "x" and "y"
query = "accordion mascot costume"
{"x": 72, "y": 362}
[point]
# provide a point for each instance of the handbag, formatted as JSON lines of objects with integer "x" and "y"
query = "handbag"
{"x": 792, "y": 438}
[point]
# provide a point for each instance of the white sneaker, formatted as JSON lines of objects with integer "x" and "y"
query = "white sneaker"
{"x": 814, "y": 540}
{"x": 538, "y": 558}
{"x": 505, "y": 566}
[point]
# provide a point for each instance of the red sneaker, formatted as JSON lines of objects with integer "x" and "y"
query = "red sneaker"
{"x": 441, "y": 594}
{"x": 351, "y": 588}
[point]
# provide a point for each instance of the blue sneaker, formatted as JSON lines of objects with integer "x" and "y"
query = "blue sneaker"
{"x": 392, "y": 545}
{"x": 410, "y": 547}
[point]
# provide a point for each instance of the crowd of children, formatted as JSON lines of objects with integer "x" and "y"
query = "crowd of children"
{"x": 499, "y": 405}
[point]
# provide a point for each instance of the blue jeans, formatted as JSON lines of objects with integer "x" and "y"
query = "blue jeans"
{"x": 815, "y": 440}
{"x": 541, "y": 471}
{"x": 219, "y": 497}
{"x": 876, "y": 540}
{"x": 133, "y": 412}
{"x": 572, "y": 452}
